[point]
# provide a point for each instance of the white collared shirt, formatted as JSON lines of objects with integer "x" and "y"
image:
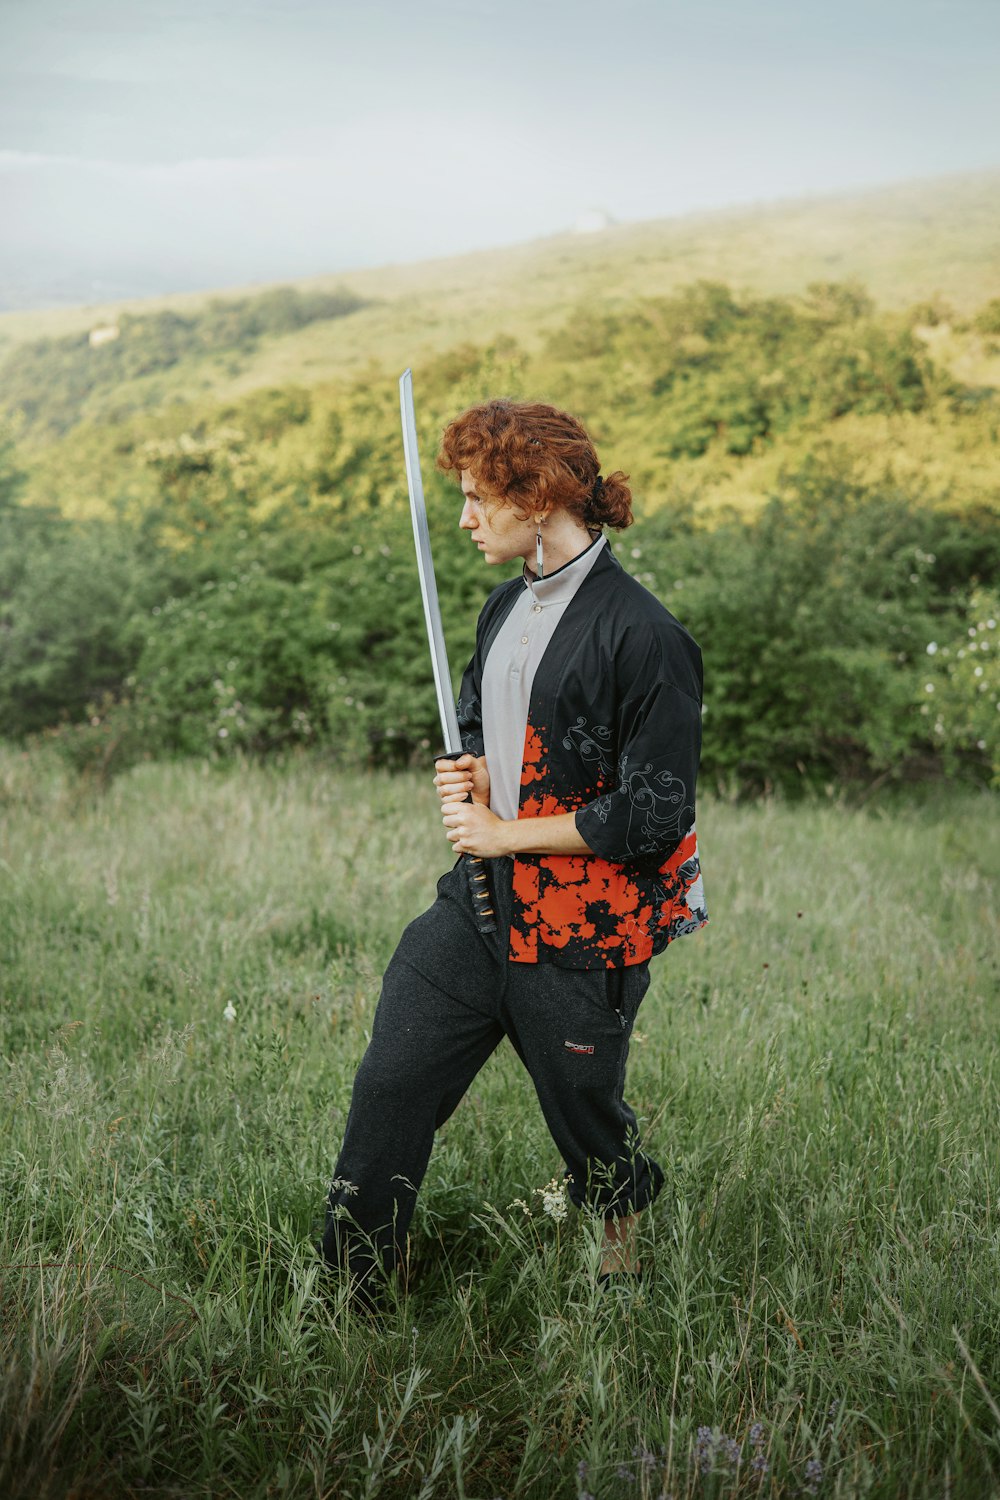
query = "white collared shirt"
{"x": 509, "y": 671}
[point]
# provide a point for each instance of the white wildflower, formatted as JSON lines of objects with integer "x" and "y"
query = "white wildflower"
{"x": 229, "y": 1014}
{"x": 553, "y": 1196}
{"x": 931, "y": 647}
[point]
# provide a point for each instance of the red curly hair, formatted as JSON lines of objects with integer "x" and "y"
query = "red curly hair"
{"x": 535, "y": 456}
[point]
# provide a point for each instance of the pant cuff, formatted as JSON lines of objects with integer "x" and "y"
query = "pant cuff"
{"x": 616, "y": 1198}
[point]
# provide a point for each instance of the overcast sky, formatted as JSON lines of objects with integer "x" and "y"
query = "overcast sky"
{"x": 198, "y": 143}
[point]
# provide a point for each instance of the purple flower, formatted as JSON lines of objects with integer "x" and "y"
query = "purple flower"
{"x": 581, "y": 1470}
{"x": 759, "y": 1464}
{"x": 814, "y": 1473}
{"x": 757, "y": 1434}
{"x": 704, "y": 1449}
{"x": 731, "y": 1449}
{"x": 646, "y": 1459}
{"x": 623, "y": 1471}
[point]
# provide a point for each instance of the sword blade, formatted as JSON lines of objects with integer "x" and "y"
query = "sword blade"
{"x": 425, "y": 566}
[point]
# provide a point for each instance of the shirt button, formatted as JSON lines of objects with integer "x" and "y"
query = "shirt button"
{"x": 524, "y": 640}
{"x": 537, "y": 609}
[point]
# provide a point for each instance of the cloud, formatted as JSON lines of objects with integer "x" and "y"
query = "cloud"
{"x": 396, "y": 188}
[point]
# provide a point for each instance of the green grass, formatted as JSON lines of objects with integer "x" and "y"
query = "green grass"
{"x": 816, "y": 1071}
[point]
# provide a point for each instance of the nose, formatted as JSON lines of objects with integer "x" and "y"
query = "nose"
{"x": 467, "y": 520}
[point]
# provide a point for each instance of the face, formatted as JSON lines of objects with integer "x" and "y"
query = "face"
{"x": 496, "y": 529}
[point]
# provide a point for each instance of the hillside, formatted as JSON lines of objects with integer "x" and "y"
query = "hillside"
{"x": 212, "y": 550}
{"x": 933, "y": 239}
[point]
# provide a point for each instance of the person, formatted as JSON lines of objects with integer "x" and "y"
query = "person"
{"x": 580, "y": 717}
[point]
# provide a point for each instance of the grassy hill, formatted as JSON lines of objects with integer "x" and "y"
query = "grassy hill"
{"x": 912, "y": 242}
{"x": 927, "y": 253}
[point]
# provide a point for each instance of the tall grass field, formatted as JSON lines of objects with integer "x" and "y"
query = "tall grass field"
{"x": 189, "y": 966}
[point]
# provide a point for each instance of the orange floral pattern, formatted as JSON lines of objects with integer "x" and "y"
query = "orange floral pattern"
{"x": 586, "y": 911}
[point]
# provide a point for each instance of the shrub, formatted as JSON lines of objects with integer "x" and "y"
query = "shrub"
{"x": 958, "y": 693}
{"x": 66, "y": 593}
{"x": 987, "y": 319}
{"x": 813, "y": 621}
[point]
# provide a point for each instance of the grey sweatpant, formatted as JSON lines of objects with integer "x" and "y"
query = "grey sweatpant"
{"x": 449, "y": 997}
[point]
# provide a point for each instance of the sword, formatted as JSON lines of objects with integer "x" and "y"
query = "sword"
{"x": 475, "y": 866}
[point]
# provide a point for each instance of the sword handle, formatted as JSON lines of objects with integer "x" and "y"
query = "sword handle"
{"x": 479, "y": 889}
{"x": 476, "y": 873}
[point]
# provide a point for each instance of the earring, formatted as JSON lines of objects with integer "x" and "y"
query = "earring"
{"x": 539, "y": 551}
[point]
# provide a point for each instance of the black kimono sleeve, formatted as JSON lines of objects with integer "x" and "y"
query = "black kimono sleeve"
{"x": 645, "y": 817}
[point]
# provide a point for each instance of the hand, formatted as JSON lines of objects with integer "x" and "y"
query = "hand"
{"x": 456, "y": 778}
{"x": 473, "y": 829}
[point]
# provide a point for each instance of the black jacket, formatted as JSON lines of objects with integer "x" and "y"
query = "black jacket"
{"x": 614, "y": 735}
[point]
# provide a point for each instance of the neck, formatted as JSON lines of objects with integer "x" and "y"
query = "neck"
{"x": 561, "y": 541}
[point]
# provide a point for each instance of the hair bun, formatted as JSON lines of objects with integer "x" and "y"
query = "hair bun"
{"x": 610, "y": 502}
